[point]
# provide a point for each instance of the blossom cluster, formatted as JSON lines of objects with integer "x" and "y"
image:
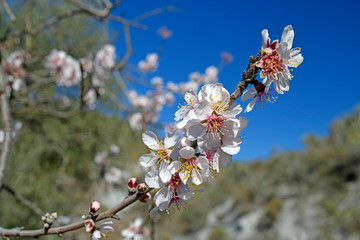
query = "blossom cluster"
{"x": 65, "y": 67}
{"x": 206, "y": 135}
{"x": 209, "y": 130}
{"x": 113, "y": 175}
{"x": 151, "y": 104}
{"x": 13, "y": 66}
{"x": 150, "y": 64}
{"x": 276, "y": 58}
{"x": 96, "y": 66}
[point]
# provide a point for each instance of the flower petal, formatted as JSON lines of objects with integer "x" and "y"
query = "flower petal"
{"x": 174, "y": 167}
{"x": 187, "y": 152}
{"x": 265, "y": 37}
{"x": 171, "y": 138}
{"x": 251, "y": 105}
{"x": 152, "y": 179}
{"x": 151, "y": 140}
{"x": 164, "y": 173}
{"x": 288, "y": 36}
{"x": 249, "y": 93}
{"x": 184, "y": 176}
{"x": 147, "y": 160}
{"x": 196, "y": 176}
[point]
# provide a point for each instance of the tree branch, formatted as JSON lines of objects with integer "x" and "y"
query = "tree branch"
{"x": 248, "y": 77}
{"x": 26, "y": 202}
{"x": 19, "y": 232}
{"x": 6, "y": 121}
{"x": 8, "y": 10}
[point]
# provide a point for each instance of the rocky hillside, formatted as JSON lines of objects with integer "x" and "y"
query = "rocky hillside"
{"x": 314, "y": 194}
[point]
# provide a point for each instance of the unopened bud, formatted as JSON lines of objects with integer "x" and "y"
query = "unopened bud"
{"x": 94, "y": 207}
{"x": 46, "y": 225}
{"x": 145, "y": 198}
{"x": 89, "y": 225}
{"x": 141, "y": 187}
{"x": 132, "y": 184}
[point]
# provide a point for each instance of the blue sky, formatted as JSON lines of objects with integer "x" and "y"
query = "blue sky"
{"x": 325, "y": 85}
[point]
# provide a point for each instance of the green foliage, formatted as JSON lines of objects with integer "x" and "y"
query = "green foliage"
{"x": 52, "y": 164}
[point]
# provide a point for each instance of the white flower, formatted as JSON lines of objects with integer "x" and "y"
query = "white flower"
{"x": 260, "y": 93}
{"x": 66, "y": 68}
{"x": 191, "y": 99}
{"x": 160, "y": 151}
{"x": 90, "y": 98}
{"x": 101, "y": 158}
{"x": 189, "y": 165}
{"x": 101, "y": 231}
{"x": 133, "y": 232}
{"x": 150, "y": 64}
{"x": 113, "y": 176}
{"x": 277, "y": 58}
{"x": 173, "y": 193}
{"x": 211, "y": 74}
{"x": 211, "y": 120}
{"x": 114, "y": 150}
{"x": 105, "y": 58}
{"x": 157, "y": 82}
{"x": 136, "y": 121}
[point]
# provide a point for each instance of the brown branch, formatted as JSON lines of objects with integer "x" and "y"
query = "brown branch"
{"x": 71, "y": 227}
{"x": 42, "y": 26}
{"x": 26, "y": 202}
{"x": 248, "y": 77}
{"x": 124, "y": 21}
{"x": 6, "y": 122}
{"x": 8, "y": 10}
{"x": 129, "y": 49}
{"x": 156, "y": 11}
{"x": 100, "y": 13}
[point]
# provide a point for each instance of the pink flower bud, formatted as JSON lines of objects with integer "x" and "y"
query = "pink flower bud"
{"x": 89, "y": 225}
{"x": 94, "y": 207}
{"x": 146, "y": 198}
{"x": 141, "y": 187}
{"x": 132, "y": 184}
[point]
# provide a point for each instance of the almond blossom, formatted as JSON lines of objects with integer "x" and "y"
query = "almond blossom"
{"x": 277, "y": 58}
{"x": 65, "y": 67}
{"x": 172, "y": 193}
{"x": 212, "y": 120}
{"x": 160, "y": 151}
{"x": 150, "y": 64}
{"x": 164, "y": 32}
{"x": 260, "y": 93}
{"x": 102, "y": 230}
{"x": 189, "y": 165}
{"x": 134, "y": 231}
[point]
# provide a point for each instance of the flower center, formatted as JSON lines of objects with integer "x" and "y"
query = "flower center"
{"x": 214, "y": 123}
{"x": 162, "y": 153}
{"x": 272, "y": 64}
{"x": 175, "y": 181}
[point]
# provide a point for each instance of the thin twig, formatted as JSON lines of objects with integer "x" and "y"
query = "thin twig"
{"x": 154, "y": 12}
{"x": 100, "y": 13}
{"x": 8, "y": 10}
{"x": 6, "y": 121}
{"x": 71, "y": 227}
{"x": 129, "y": 49}
{"x": 26, "y": 202}
{"x": 248, "y": 77}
